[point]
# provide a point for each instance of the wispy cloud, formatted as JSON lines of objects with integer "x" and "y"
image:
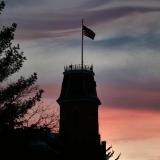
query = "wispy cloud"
{"x": 131, "y": 41}
{"x": 43, "y": 19}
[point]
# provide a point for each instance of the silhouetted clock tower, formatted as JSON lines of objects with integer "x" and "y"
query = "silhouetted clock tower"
{"x": 79, "y": 130}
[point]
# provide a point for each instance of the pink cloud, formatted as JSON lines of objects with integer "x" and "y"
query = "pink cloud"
{"x": 128, "y": 124}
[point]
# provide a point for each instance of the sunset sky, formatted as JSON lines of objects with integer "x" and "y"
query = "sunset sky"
{"x": 125, "y": 55}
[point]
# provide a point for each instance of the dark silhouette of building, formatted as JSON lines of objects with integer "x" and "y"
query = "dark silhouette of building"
{"x": 79, "y": 130}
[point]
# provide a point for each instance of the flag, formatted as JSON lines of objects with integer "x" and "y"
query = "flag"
{"x": 88, "y": 32}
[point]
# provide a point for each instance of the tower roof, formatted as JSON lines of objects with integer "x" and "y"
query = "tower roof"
{"x": 78, "y": 85}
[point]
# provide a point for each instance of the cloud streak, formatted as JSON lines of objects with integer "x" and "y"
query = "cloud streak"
{"x": 42, "y": 21}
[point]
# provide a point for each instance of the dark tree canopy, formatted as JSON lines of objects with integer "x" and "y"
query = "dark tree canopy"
{"x": 1, "y": 6}
{"x": 17, "y": 98}
{"x": 14, "y": 103}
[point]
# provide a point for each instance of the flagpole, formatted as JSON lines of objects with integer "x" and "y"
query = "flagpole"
{"x": 82, "y": 47}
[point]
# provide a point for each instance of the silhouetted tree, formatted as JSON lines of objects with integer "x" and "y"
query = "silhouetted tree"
{"x": 1, "y": 6}
{"x": 41, "y": 116}
{"x": 110, "y": 152}
{"x": 18, "y": 101}
{"x": 18, "y": 97}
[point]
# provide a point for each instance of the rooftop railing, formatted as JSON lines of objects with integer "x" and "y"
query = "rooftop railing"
{"x": 78, "y": 67}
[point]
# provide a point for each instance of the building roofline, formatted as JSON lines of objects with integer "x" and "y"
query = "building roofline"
{"x": 77, "y": 68}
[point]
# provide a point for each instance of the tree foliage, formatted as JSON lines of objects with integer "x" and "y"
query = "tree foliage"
{"x": 1, "y": 6}
{"x": 14, "y": 103}
{"x": 110, "y": 153}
